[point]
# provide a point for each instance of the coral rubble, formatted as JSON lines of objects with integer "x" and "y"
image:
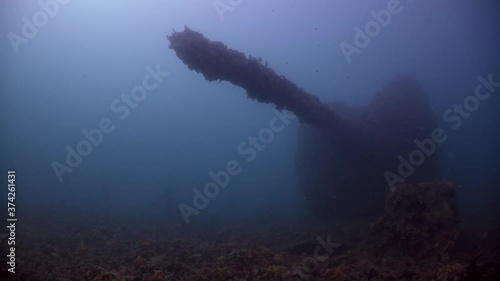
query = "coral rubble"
{"x": 412, "y": 241}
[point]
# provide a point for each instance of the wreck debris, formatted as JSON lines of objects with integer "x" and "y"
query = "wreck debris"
{"x": 217, "y": 62}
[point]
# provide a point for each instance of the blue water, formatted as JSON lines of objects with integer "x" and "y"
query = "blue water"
{"x": 67, "y": 65}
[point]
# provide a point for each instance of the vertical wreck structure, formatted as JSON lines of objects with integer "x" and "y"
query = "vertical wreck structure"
{"x": 343, "y": 152}
{"x": 347, "y": 177}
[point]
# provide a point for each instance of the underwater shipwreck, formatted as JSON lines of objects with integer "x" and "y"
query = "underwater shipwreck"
{"x": 348, "y": 152}
{"x": 375, "y": 208}
{"x": 343, "y": 151}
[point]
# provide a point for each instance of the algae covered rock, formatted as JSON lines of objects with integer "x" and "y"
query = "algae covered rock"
{"x": 420, "y": 221}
